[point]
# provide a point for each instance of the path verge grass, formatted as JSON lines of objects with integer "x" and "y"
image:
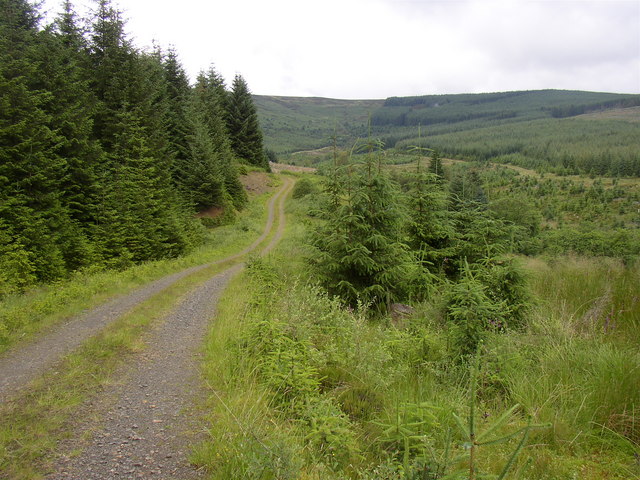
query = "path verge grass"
{"x": 32, "y": 424}
{"x": 24, "y": 316}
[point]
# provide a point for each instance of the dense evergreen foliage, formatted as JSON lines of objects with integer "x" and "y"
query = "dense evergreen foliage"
{"x": 106, "y": 151}
{"x": 519, "y": 105}
{"x": 359, "y": 253}
{"x": 243, "y": 125}
{"x": 383, "y": 240}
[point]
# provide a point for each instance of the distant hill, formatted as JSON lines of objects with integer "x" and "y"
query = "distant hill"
{"x": 555, "y": 130}
{"x": 292, "y": 124}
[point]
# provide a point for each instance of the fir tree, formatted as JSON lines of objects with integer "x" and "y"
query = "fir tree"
{"x": 210, "y": 96}
{"x": 243, "y": 126}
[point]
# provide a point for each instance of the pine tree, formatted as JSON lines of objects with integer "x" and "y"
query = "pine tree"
{"x": 359, "y": 254}
{"x": 31, "y": 210}
{"x": 243, "y": 126}
{"x": 210, "y": 96}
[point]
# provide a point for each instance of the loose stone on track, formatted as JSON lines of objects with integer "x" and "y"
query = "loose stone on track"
{"x": 144, "y": 433}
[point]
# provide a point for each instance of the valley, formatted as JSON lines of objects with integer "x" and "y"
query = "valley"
{"x": 200, "y": 282}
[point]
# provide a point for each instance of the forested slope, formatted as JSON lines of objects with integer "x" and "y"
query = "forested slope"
{"x": 559, "y": 131}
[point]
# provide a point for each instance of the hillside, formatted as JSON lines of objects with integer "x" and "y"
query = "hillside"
{"x": 545, "y": 129}
{"x": 293, "y": 124}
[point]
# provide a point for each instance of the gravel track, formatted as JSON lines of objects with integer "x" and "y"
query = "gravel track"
{"x": 141, "y": 427}
{"x": 23, "y": 363}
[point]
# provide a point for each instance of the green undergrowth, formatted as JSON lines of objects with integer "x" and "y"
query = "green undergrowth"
{"x": 302, "y": 387}
{"x": 22, "y": 316}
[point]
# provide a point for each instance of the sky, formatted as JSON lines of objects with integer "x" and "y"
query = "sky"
{"x": 369, "y": 49}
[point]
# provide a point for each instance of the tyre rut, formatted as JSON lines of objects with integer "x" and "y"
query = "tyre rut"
{"x": 23, "y": 363}
{"x": 148, "y": 418}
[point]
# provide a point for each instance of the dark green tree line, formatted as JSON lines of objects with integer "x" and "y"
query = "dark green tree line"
{"x": 106, "y": 151}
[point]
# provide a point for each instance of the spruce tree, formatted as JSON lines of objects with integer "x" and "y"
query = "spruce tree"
{"x": 430, "y": 227}
{"x": 243, "y": 125}
{"x": 201, "y": 175}
{"x": 178, "y": 94}
{"x": 359, "y": 254}
{"x": 31, "y": 210}
{"x": 435, "y": 166}
{"x": 210, "y": 97}
{"x": 72, "y": 106}
{"x": 110, "y": 61}
{"x": 140, "y": 218}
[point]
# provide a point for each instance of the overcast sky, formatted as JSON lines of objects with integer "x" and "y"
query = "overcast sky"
{"x": 381, "y": 48}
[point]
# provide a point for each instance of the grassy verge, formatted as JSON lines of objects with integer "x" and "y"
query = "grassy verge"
{"x": 32, "y": 424}
{"x": 302, "y": 388}
{"x": 23, "y": 316}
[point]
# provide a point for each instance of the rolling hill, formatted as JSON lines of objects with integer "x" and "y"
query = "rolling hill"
{"x": 550, "y": 130}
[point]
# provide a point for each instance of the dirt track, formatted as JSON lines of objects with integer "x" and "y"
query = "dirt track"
{"x": 20, "y": 365}
{"x": 139, "y": 426}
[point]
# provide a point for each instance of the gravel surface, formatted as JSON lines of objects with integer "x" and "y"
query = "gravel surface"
{"x": 20, "y": 365}
{"x": 23, "y": 363}
{"x": 141, "y": 426}
{"x": 144, "y": 431}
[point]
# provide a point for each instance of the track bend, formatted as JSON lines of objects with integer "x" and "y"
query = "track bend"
{"x": 23, "y": 363}
{"x": 147, "y": 418}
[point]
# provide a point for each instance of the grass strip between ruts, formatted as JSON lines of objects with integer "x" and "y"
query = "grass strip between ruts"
{"x": 32, "y": 424}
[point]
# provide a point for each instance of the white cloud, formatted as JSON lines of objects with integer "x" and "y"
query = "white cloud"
{"x": 380, "y": 48}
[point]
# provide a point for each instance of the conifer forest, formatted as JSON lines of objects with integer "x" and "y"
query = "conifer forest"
{"x": 199, "y": 282}
{"x": 107, "y": 151}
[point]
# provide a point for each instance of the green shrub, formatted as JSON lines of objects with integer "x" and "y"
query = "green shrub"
{"x": 330, "y": 434}
{"x": 304, "y": 187}
{"x": 506, "y": 284}
{"x": 254, "y": 452}
{"x": 16, "y": 269}
{"x": 471, "y": 313}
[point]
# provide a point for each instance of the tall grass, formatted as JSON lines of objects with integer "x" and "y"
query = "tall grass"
{"x": 578, "y": 366}
{"x": 302, "y": 387}
{"x": 588, "y": 297}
